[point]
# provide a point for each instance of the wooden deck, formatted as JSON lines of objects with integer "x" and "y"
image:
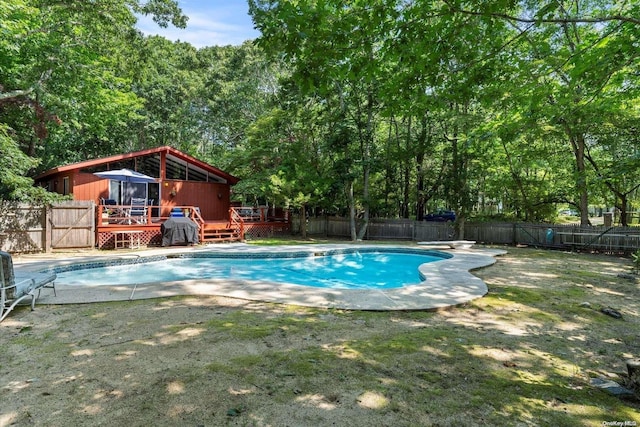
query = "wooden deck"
{"x": 115, "y": 221}
{"x": 151, "y": 234}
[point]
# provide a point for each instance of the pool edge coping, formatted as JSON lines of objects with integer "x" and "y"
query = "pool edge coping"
{"x": 450, "y": 281}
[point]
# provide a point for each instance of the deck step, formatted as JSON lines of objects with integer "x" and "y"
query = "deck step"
{"x": 220, "y": 234}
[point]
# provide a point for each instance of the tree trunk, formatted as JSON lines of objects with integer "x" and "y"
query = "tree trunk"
{"x": 420, "y": 154}
{"x": 366, "y": 142}
{"x": 352, "y": 211}
{"x": 365, "y": 194}
{"x": 623, "y": 210}
{"x": 303, "y": 221}
{"x": 578, "y": 145}
{"x": 457, "y": 185}
{"x": 389, "y": 169}
{"x": 406, "y": 189}
{"x": 420, "y": 188}
{"x": 406, "y": 185}
{"x": 459, "y": 227}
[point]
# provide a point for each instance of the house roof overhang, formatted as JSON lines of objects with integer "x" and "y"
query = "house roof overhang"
{"x": 232, "y": 180}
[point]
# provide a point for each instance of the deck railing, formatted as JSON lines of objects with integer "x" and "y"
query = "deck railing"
{"x": 126, "y": 215}
{"x": 262, "y": 221}
{"x": 132, "y": 215}
{"x": 146, "y": 220}
{"x": 261, "y": 214}
{"x": 236, "y": 221}
{"x": 121, "y": 215}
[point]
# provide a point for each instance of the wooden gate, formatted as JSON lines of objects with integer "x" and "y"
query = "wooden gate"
{"x": 62, "y": 225}
{"x": 72, "y": 225}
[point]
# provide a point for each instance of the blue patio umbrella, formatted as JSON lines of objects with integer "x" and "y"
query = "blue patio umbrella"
{"x": 126, "y": 175}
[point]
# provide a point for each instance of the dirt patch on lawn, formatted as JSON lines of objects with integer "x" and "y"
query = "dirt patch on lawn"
{"x": 522, "y": 355}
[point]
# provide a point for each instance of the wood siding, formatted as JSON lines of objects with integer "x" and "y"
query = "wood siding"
{"x": 211, "y": 198}
{"x": 87, "y": 186}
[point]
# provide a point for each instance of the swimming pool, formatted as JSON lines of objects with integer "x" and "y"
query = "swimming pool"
{"x": 338, "y": 269}
{"x": 448, "y": 282}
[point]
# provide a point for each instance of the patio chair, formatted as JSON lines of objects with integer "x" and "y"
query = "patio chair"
{"x": 138, "y": 211}
{"x": 108, "y": 202}
{"x": 18, "y": 286}
{"x": 109, "y": 210}
{"x": 176, "y": 213}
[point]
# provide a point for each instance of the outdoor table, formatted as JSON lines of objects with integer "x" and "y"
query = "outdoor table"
{"x": 127, "y": 237}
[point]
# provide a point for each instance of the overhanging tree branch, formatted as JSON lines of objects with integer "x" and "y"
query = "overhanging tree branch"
{"x": 15, "y": 93}
{"x": 24, "y": 92}
{"x": 564, "y": 20}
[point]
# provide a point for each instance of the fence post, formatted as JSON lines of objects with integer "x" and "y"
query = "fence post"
{"x": 48, "y": 211}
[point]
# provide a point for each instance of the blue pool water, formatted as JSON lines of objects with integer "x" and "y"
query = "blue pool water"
{"x": 351, "y": 270}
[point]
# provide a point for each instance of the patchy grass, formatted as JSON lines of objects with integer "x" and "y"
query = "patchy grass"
{"x": 522, "y": 355}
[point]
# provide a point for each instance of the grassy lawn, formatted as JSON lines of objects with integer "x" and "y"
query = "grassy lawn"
{"x": 522, "y": 355}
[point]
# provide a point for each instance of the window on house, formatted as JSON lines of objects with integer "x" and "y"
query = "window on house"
{"x": 65, "y": 186}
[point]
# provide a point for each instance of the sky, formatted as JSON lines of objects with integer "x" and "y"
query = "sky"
{"x": 211, "y": 23}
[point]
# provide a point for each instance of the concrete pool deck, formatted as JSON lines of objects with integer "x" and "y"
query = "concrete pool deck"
{"x": 448, "y": 282}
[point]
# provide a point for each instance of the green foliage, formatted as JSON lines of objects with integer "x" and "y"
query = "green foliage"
{"x": 163, "y": 12}
{"x": 66, "y": 88}
{"x": 14, "y": 166}
{"x": 516, "y": 120}
{"x": 495, "y": 109}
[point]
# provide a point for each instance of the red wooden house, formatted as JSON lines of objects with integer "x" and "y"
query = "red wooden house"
{"x": 180, "y": 182}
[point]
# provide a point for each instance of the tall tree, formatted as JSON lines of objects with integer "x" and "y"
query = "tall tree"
{"x": 240, "y": 85}
{"x": 168, "y": 78}
{"x": 573, "y": 61}
{"x": 59, "y": 75}
{"x": 333, "y": 48}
